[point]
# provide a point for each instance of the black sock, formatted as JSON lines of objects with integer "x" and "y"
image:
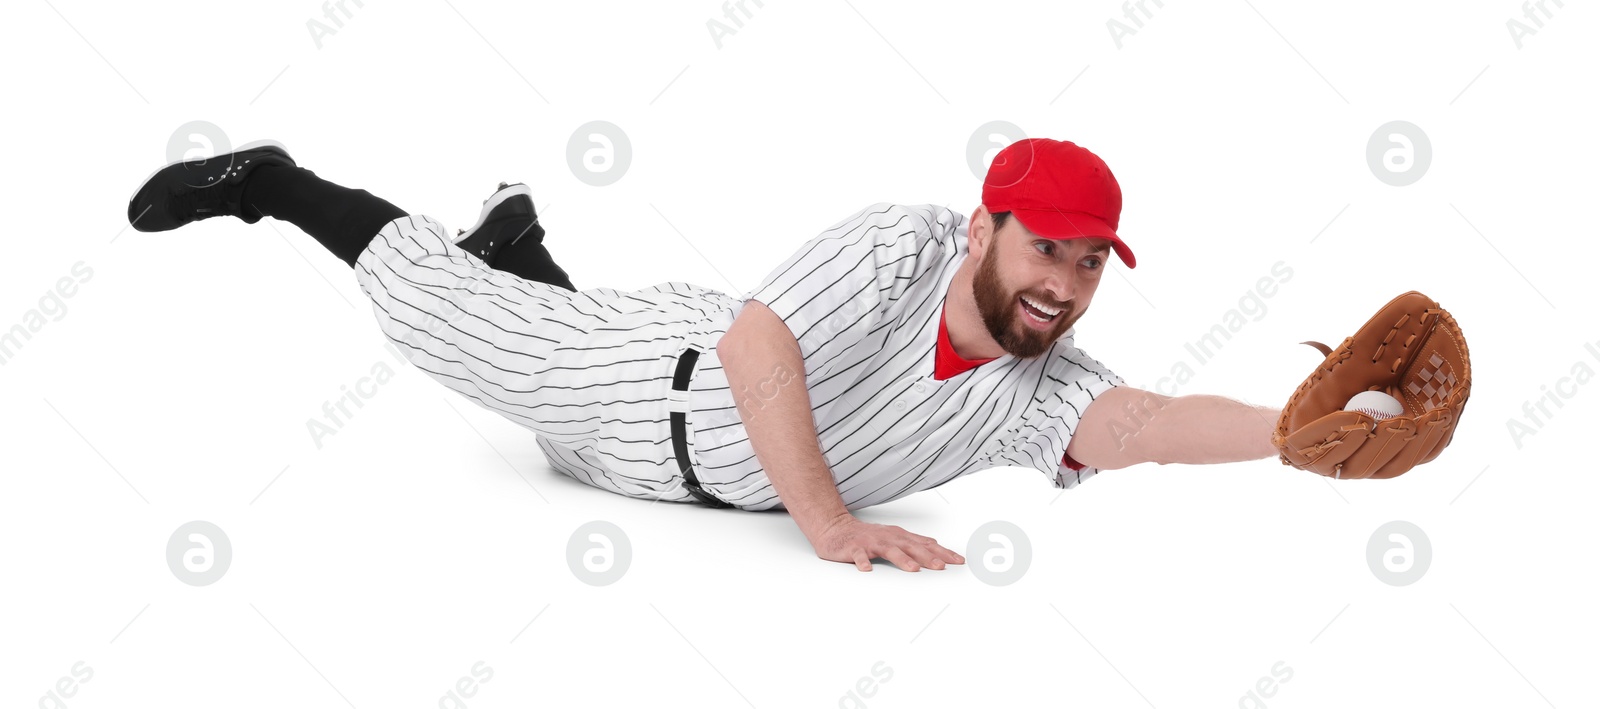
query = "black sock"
{"x": 527, "y": 258}
{"x": 343, "y": 220}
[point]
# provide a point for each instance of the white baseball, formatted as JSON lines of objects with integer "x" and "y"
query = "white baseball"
{"x": 1376, "y": 404}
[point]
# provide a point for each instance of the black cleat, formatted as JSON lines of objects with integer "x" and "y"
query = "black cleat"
{"x": 509, "y": 238}
{"x": 507, "y": 217}
{"x": 187, "y": 191}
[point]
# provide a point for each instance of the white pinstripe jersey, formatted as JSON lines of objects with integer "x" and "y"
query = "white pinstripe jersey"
{"x": 863, "y": 299}
{"x": 588, "y": 372}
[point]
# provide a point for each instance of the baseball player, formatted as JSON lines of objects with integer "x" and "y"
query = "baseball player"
{"x": 902, "y": 347}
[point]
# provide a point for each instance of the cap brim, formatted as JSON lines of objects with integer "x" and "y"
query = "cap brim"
{"x": 1052, "y": 224}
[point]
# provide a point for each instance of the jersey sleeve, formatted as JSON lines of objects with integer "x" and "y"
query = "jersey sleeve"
{"x": 848, "y": 281}
{"x": 1068, "y": 387}
{"x": 1088, "y": 380}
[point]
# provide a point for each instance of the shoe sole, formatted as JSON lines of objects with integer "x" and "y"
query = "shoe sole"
{"x": 495, "y": 200}
{"x": 247, "y": 146}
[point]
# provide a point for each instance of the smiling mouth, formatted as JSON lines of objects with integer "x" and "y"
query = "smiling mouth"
{"x": 1036, "y": 314}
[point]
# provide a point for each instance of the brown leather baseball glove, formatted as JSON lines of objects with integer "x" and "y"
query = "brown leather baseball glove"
{"x": 1411, "y": 350}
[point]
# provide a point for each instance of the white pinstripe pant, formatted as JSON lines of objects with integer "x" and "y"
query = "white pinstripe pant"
{"x": 587, "y": 371}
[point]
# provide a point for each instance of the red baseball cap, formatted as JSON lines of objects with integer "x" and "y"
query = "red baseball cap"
{"x": 1058, "y": 190}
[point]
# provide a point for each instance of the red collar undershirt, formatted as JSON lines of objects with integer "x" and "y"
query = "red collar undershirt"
{"x": 947, "y": 363}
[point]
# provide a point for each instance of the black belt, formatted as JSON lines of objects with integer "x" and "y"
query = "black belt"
{"x": 680, "y": 433}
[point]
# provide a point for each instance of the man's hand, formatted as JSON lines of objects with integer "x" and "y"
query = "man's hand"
{"x": 784, "y": 434}
{"x": 850, "y": 540}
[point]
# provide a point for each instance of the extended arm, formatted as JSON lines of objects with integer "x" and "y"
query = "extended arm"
{"x": 1127, "y": 426}
{"x": 760, "y": 354}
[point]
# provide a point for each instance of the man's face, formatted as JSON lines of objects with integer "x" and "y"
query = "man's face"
{"x": 1058, "y": 274}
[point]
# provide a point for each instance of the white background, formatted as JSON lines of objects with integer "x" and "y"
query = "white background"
{"x": 430, "y": 535}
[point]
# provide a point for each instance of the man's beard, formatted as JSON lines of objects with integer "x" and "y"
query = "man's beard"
{"x": 999, "y": 310}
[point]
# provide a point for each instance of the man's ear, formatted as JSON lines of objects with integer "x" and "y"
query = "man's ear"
{"x": 980, "y": 232}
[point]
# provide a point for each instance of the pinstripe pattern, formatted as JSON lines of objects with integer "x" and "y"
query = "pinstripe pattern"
{"x": 588, "y": 372}
{"x": 863, "y": 300}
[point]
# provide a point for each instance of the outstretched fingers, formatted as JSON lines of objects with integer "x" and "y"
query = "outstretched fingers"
{"x": 901, "y": 559}
{"x": 863, "y": 559}
{"x": 859, "y": 543}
